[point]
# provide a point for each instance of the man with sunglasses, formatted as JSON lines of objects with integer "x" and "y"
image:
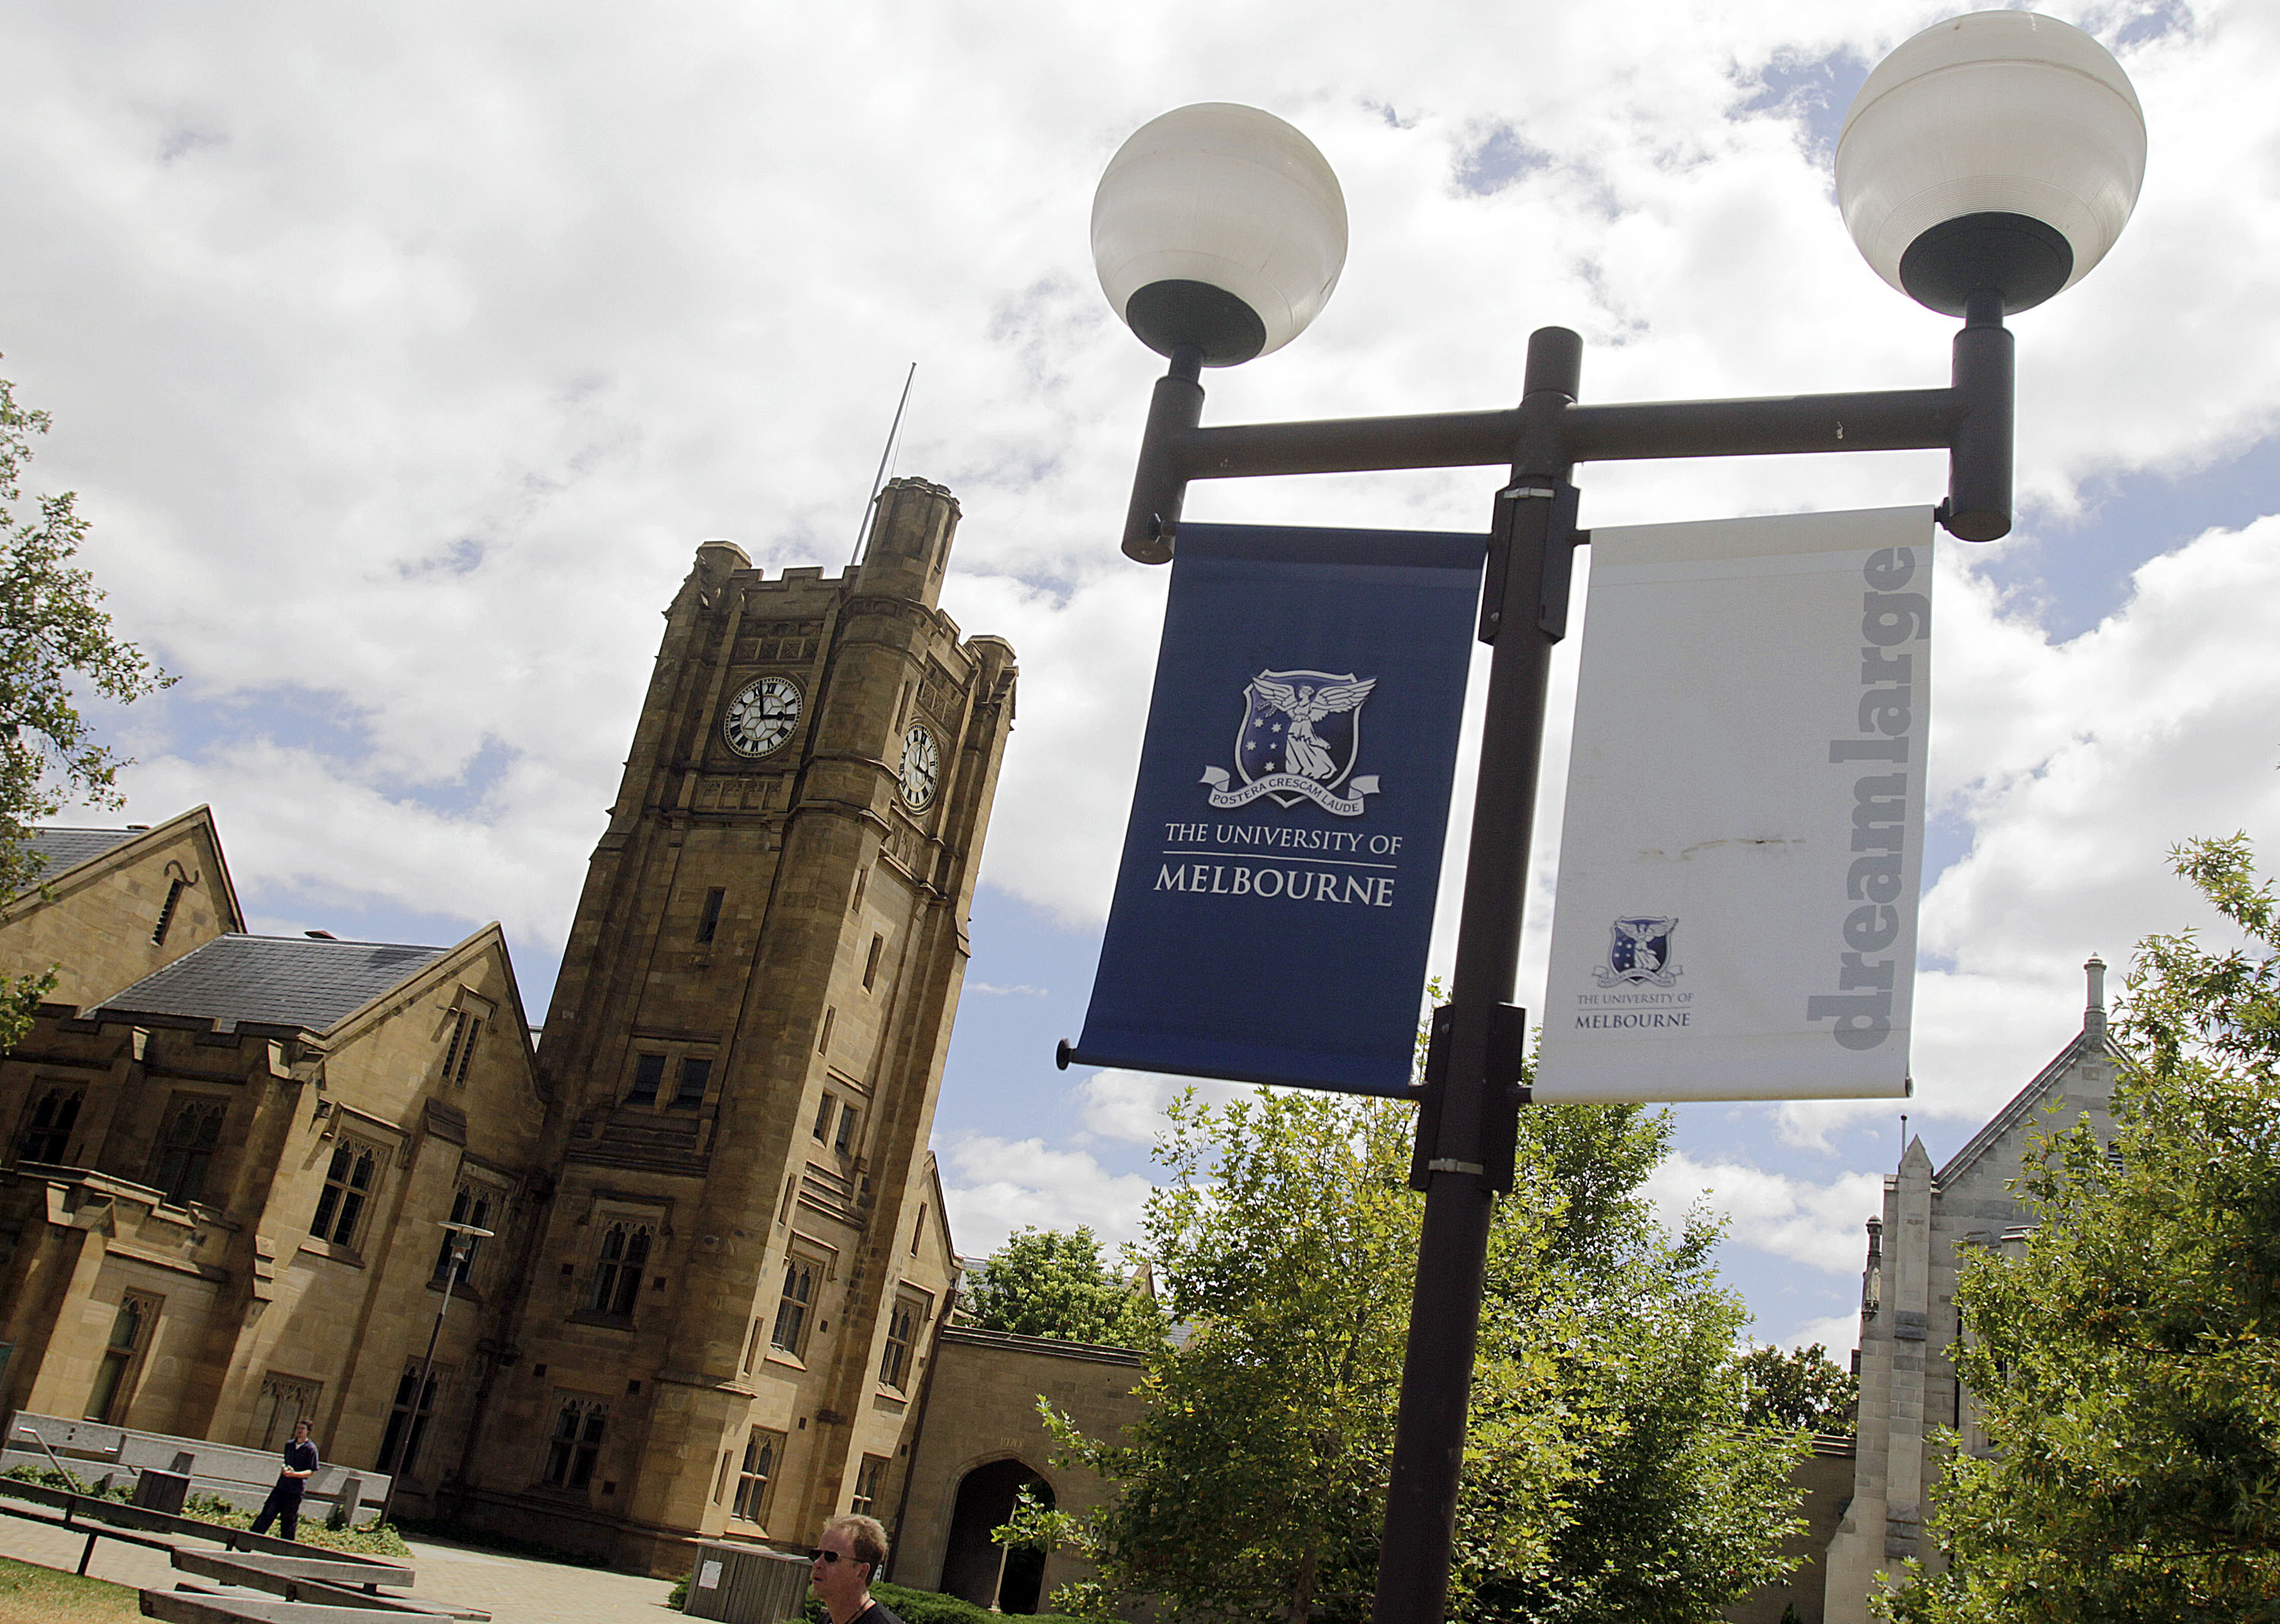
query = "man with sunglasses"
{"x": 846, "y": 1559}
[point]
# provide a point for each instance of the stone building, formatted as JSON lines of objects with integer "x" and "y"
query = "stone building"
{"x": 981, "y": 1442}
{"x": 213, "y": 1221}
{"x": 719, "y": 1257}
{"x": 1909, "y": 1389}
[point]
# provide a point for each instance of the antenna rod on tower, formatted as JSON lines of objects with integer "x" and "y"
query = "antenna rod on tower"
{"x": 863, "y": 525}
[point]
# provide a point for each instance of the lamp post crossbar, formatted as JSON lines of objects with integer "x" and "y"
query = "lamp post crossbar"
{"x": 1970, "y": 420}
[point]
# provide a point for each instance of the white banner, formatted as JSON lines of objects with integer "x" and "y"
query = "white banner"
{"x": 1743, "y": 843}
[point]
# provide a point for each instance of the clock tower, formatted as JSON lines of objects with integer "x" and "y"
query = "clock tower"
{"x": 730, "y": 1288}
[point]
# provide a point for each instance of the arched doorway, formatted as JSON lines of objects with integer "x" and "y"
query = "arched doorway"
{"x": 971, "y": 1568}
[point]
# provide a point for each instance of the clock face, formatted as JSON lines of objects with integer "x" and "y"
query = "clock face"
{"x": 761, "y": 717}
{"x": 921, "y": 767}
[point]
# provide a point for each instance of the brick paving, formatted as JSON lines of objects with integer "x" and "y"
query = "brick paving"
{"x": 513, "y": 1589}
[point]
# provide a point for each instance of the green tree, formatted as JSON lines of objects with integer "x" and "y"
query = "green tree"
{"x": 1044, "y": 1282}
{"x": 1800, "y": 1387}
{"x": 2124, "y": 1363}
{"x": 1607, "y": 1472}
{"x": 56, "y": 641}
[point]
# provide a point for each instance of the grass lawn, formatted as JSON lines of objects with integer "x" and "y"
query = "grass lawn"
{"x": 30, "y": 1594}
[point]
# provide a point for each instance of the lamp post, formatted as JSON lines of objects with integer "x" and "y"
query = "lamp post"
{"x": 463, "y": 1237}
{"x": 1987, "y": 164}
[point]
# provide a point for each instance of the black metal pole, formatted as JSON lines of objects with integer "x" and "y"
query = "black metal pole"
{"x": 419, "y": 1387}
{"x": 1535, "y": 528}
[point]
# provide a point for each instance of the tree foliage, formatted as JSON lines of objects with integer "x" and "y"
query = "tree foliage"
{"x": 1607, "y": 1472}
{"x": 56, "y": 641}
{"x": 2125, "y": 1364}
{"x": 1044, "y": 1282}
{"x": 1800, "y": 1387}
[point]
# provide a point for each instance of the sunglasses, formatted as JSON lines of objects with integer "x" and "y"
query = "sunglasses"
{"x": 829, "y": 1557}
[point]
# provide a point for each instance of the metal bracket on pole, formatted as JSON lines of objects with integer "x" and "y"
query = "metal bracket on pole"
{"x": 1507, "y": 1059}
{"x": 1507, "y": 1066}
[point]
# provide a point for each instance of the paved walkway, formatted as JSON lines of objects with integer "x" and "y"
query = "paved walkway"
{"x": 513, "y": 1589}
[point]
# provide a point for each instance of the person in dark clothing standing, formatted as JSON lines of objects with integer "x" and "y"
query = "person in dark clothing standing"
{"x": 846, "y": 1559}
{"x": 284, "y": 1501}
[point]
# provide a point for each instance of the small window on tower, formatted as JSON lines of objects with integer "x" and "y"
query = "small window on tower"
{"x": 709, "y": 922}
{"x": 823, "y": 1039}
{"x": 648, "y": 1074}
{"x": 846, "y": 1142}
{"x": 870, "y": 965}
{"x": 823, "y": 1118}
{"x": 694, "y": 1076}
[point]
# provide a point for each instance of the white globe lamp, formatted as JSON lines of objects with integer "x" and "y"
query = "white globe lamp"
{"x": 1218, "y": 227}
{"x": 1998, "y": 153}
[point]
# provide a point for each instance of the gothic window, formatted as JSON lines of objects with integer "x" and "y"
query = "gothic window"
{"x": 284, "y": 1400}
{"x": 348, "y": 1191}
{"x": 618, "y": 1271}
{"x": 187, "y": 1146}
{"x": 791, "y": 1332}
{"x": 122, "y": 1357}
{"x": 470, "y": 1204}
{"x": 695, "y": 1074}
{"x": 846, "y": 1141}
{"x": 866, "y": 1485}
{"x": 823, "y": 1119}
{"x": 48, "y": 1126}
{"x": 709, "y": 922}
{"x": 649, "y": 1073}
{"x": 576, "y": 1443}
{"x": 175, "y": 890}
{"x": 902, "y": 1331}
{"x": 407, "y": 1420}
{"x": 762, "y": 1450}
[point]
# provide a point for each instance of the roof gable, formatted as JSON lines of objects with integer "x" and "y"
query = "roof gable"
{"x": 2087, "y": 1045}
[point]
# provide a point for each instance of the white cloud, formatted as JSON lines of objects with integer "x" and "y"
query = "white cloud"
{"x": 1817, "y": 1225}
{"x": 1129, "y": 1107}
{"x": 995, "y": 1186}
{"x": 1838, "y": 1334}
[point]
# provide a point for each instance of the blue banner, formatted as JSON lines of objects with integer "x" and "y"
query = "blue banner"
{"x": 1275, "y": 901}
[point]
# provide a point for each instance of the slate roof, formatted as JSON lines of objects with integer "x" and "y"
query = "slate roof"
{"x": 62, "y": 848}
{"x": 303, "y": 981}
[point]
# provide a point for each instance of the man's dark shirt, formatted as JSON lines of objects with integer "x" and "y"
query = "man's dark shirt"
{"x": 301, "y": 1456}
{"x": 875, "y": 1613}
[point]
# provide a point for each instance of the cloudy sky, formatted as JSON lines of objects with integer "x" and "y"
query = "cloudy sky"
{"x": 401, "y": 355}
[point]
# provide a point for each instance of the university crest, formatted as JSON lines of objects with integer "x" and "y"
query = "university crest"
{"x": 1638, "y": 954}
{"x": 1300, "y": 734}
